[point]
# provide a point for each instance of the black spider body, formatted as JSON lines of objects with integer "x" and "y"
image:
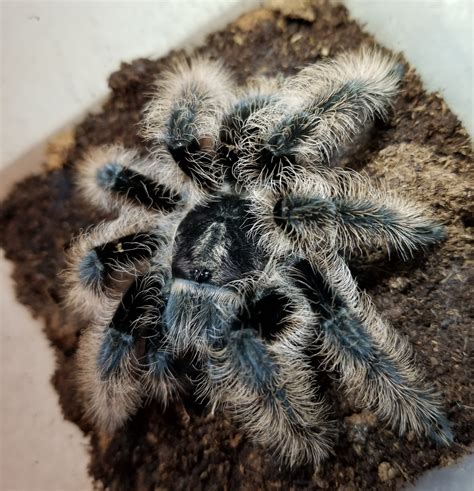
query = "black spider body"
{"x": 213, "y": 245}
{"x": 229, "y": 257}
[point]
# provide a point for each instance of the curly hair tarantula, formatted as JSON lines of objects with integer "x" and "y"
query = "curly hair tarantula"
{"x": 229, "y": 253}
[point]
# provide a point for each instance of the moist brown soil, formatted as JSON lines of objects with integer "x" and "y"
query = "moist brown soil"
{"x": 422, "y": 151}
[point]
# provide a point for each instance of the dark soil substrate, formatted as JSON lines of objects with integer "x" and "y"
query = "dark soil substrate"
{"x": 423, "y": 150}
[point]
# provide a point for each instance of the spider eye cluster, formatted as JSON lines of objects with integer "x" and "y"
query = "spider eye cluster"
{"x": 231, "y": 248}
{"x": 202, "y": 275}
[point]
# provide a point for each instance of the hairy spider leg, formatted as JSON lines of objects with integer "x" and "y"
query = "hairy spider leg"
{"x": 375, "y": 363}
{"x": 319, "y": 111}
{"x": 160, "y": 378}
{"x": 234, "y": 132}
{"x": 112, "y": 177}
{"x": 185, "y": 114}
{"x": 275, "y": 157}
{"x": 136, "y": 188}
{"x": 108, "y": 254}
{"x": 114, "y": 367}
{"x": 266, "y": 382}
{"x": 117, "y": 256}
{"x": 357, "y": 222}
{"x": 364, "y": 223}
{"x": 147, "y": 303}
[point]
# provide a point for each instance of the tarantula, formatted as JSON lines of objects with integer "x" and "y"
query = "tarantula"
{"x": 229, "y": 256}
